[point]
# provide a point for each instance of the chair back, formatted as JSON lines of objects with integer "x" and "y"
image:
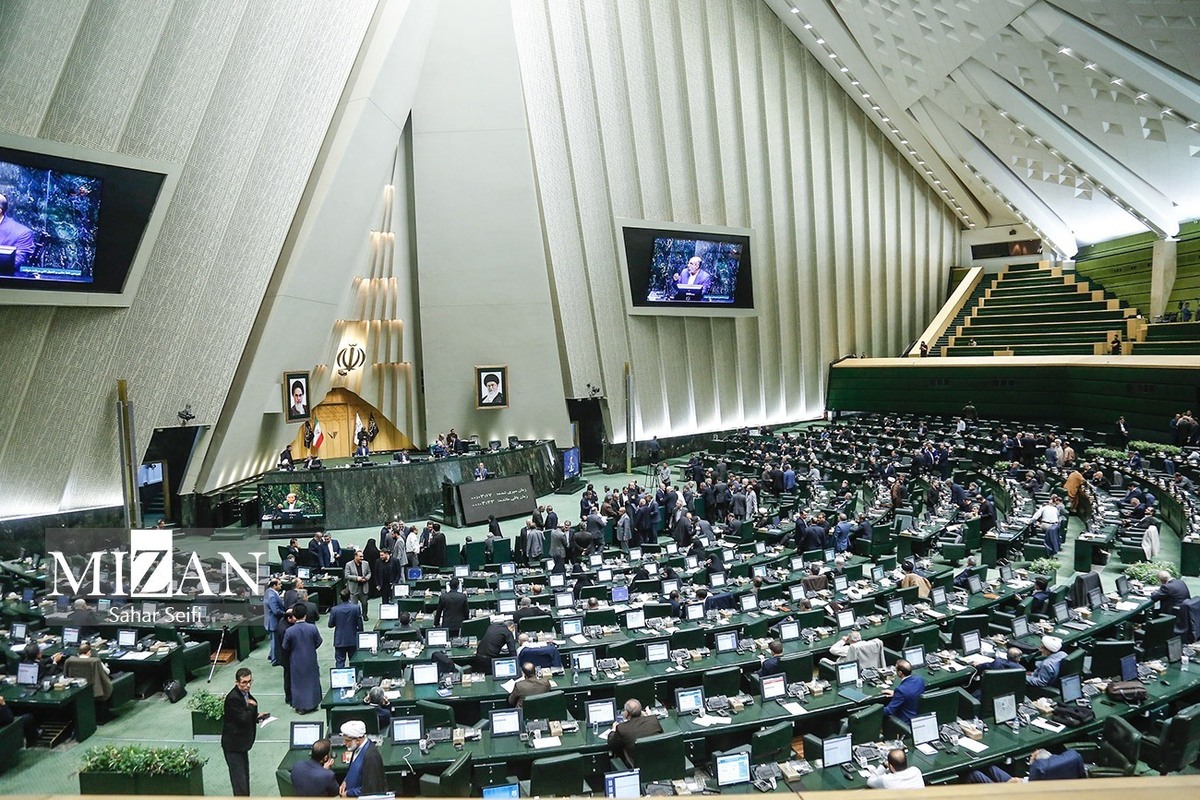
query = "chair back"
{"x": 548, "y": 705}
{"x": 798, "y": 667}
{"x": 773, "y": 743}
{"x": 501, "y": 551}
{"x": 1107, "y": 655}
{"x": 557, "y": 776}
{"x": 456, "y": 780}
{"x": 364, "y": 714}
{"x": 865, "y": 726}
{"x": 660, "y": 757}
{"x": 435, "y": 715}
{"x": 536, "y": 623}
{"x": 726, "y": 681}
{"x": 927, "y": 636}
{"x": 641, "y": 689}
{"x": 688, "y": 638}
{"x": 1181, "y": 740}
{"x": 1120, "y": 746}
{"x": 997, "y": 683}
{"x": 476, "y": 626}
{"x": 600, "y": 616}
{"x": 944, "y": 703}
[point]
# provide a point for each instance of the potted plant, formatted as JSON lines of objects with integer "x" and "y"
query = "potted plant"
{"x": 133, "y": 769}
{"x": 1046, "y": 566}
{"x": 1147, "y": 571}
{"x": 208, "y": 711}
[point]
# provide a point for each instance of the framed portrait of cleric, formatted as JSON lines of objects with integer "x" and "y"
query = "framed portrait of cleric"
{"x": 491, "y": 387}
{"x": 295, "y": 396}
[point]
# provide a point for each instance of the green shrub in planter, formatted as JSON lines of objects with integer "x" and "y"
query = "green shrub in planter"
{"x": 208, "y": 711}
{"x": 1045, "y": 566}
{"x": 133, "y": 769}
{"x": 1105, "y": 452}
{"x": 1142, "y": 446}
{"x": 1147, "y": 571}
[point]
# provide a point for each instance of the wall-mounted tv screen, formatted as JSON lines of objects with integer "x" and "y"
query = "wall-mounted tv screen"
{"x": 292, "y": 500}
{"x": 76, "y": 226}
{"x": 687, "y": 270}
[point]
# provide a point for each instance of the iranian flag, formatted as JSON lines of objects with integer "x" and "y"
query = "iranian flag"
{"x": 358, "y": 426}
{"x": 318, "y": 435}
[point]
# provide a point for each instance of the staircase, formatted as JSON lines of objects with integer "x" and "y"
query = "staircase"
{"x": 1031, "y": 310}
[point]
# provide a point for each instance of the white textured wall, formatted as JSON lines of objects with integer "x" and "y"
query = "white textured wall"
{"x": 712, "y": 113}
{"x": 238, "y": 93}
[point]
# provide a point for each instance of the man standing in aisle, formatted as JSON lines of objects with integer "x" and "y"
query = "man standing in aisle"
{"x": 358, "y": 581}
{"x": 239, "y": 725}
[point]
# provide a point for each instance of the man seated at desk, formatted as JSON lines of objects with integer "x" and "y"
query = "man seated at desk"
{"x": 911, "y": 578}
{"x": 634, "y": 727}
{"x": 905, "y": 701}
{"x": 48, "y": 666}
{"x": 1171, "y": 592}
{"x": 896, "y": 774}
{"x": 772, "y": 664}
{"x": 313, "y": 777}
{"x": 529, "y": 685}
{"x": 1043, "y": 766}
{"x": 1045, "y": 672}
{"x": 852, "y": 647}
{"x": 95, "y": 671}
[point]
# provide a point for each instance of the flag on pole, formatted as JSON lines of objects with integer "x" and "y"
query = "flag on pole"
{"x": 358, "y": 427}
{"x": 318, "y": 435}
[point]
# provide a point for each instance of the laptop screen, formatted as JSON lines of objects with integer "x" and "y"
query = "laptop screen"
{"x": 508, "y": 568}
{"x": 401, "y": 590}
{"x": 1071, "y": 687}
{"x": 895, "y": 607}
{"x": 1061, "y": 612}
{"x": 1095, "y": 598}
{"x": 689, "y": 700}
{"x": 635, "y": 619}
{"x": 1006, "y": 572}
{"x": 504, "y": 668}
{"x": 389, "y": 611}
{"x": 437, "y": 637}
{"x": 342, "y": 678}
{"x": 669, "y": 586}
{"x": 970, "y": 643}
{"x": 727, "y": 641}
{"x": 924, "y": 729}
{"x": 695, "y": 611}
{"x": 877, "y": 572}
{"x": 601, "y": 712}
{"x": 584, "y": 660}
{"x": 304, "y": 734}
{"x": 635, "y": 554}
{"x": 716, "y": 580}
{"x": 462, "y": 570}
{"x": 749, "y": 602}
{"x": 847, "y": 673}
{"x": 27, "y": 673}
{"x": 773, "y": 686}
{"x": 407, "y": 730}
{"x": 974, "y": 585}
{"x": 840, "y": 583}
{"x": 789, "y": 631}
{"x": 733, "y": 768}
{"x": 572, "y": 626}
{"x": 70, "y": 637}
{"x": 938, "y": 596}
{"x": 126, "y": 638}
{"x": 845, "y": 619}
{"x": 620, "y": 594}
{"x": 604, "y": 575}
{"x": 564, "y": 600}
{"x": 502, "y": 791}
{"x": 915, "y": 655}
{"x": 1129, "y": 670}
{"x": 558, "y": 580}
{"x": 626, "y": 784}
{"x": 506, "y": 585}
{"x": 368, "y": 640}
{"x": 303, "y": 573}
{"x": 595, "y": 560}
{"x": 507, "y": 606}
{"x": 657, "y": 651}
{"x": 1020, "y": 627}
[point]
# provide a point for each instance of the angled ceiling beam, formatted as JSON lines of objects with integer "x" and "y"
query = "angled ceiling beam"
{"x": 1120, "y": 184}
{"x": 997, "y": 176}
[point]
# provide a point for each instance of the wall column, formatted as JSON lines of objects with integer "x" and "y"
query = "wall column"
{"x": 1162, "y": 275}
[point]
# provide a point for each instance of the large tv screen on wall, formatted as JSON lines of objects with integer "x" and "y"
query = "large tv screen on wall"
{"x": 75, "y": 225}
{"x": 687, "y": 269}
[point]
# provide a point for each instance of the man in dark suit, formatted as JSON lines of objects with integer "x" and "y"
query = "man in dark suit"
{"x": 905, "y": 701}
{"x": 499, "y": 637}
{"x": 451, "y": 609}
{"x": 238, "y": 728}
{"x": 386, "y": 574}
{"x": 314, "y": 777}
{"x": 772, "y": 665}
{"x": 526, "y": 608}
{"x": 1043, "y": 766}
{"x": 551, "y": 519}
{"x": 366, "y": 774}
{"x": 1170, "y": 593}
{"x": 346, "y": 620}
{"x": 635, "y": 726}
{"x": 320, "y": 554}
{"x": 529, "y": 685}
{"x": 333, "y": 551}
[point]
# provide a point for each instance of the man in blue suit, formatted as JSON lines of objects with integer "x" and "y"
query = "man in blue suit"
{"x": 905, "y": 701}
{"x": 314, "y": 777}
{"x": 1043, "y": 766}
{"x": 273, "y": 611}
{"x": 346, "y": 620}
{"x": 365, "y": 775}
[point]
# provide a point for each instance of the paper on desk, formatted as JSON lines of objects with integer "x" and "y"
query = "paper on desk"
{"x": 1053, "y": 727}
{"x": 546, "y": 741}
{"x": 393, "y": 694}
{"x": 972, "y": 745}
{"x": 135, "y": 656}
{"x": 705, "y": 720}
{"x": 579, "y": 638}
{"x": 795, "y": 709}
{"x": 508, "y": 684}
{"x": 927, "y": 749}
{"x": 1127, "y": 605}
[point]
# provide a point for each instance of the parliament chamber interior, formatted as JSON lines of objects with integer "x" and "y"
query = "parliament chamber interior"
{"x": 547, "y": 398}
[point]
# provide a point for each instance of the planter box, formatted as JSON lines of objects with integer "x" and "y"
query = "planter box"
{"x": 119, "y": 784}
{"x": 205, "y": 727}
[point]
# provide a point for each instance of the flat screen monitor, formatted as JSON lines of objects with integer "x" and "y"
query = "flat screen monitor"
{"x": 504, "y": 668}
{"x": 502, "y": 791}
{"x": 309, "y": 499}
{"x": 619, "y": 594}
{"x": 895, "y": 607}
{"x": 27, "y": 673}
{"x": 437, "y": 637}
{"x": 635, "y": 619}
{"x": 773, "y": 686}
{"x": 974, "y": 585}
{"x": 126, "y": 638}
{"x": 1006, "y": 572}
{"x": 657, "y": 651}
{"x": 836, "y": 750}
{"x": 414, "y": 573}
{"x": 1123, "y": 586}
{"x": 601, "y": 712}
{"x": 672, "y": 549}
{"x": 305, "y": 734}
{"x": 462, "y": 570}
{"x": 548, "y": 564}
{"x": 1020, "y": 627}
{"x": 695, "y": 612}
{"x": 604, "y": 575}
{"x": 1005, "y": 708}
{"x": 1095, "y": 598}
{"x": 727, "y": 641}
{"x": 760, "y": 547}
{"x": 759, "y": 571}
{"x": 691, "y": 562}
{"x": 389, "y": 611}
{"x": 727, "y": 555}
{"x": 408, "y": 730}
{"x": 303, "y": 573}
{"x": 103, "y": 605}
{"x": 627, "y": 784}
{"x": 368, "y": 640}
{"x": 342, "y": 678}
{"x": 507, "y": 722}
{"x": 506, "y": 585}
{"x": 877, "y": 572}
{"x": 924, "y": 729}
{"x": 840, "y": 583}
{"x": 1061, "y": 612}
{"x": 595, "y": 560}
{"x": 670, "y": 585}
{"x": 425, "y": 674}
{"x": 401, "y": 590}
{"x": 733, "y": 769}
{"x": 564, "y": 600}
{"x": 797, "y": 563}
{"x": 749, "y": 602}
{"x": 789, "y": 631}
{"x": 830, "y": 555}
{"x": 1174, "y": 650}
{"x": 689, "y": 700}
{"x": 847, "y": 673}
{"x": 938, "y": 596}
{"x": 970, "y": 643}
{"x": 796, "y": 593}
{"x": 557, "y": 580}
{"x": 716, "y": 580}
{"x": 70, "y": 637}
{"x": 845, "y": 619}
{"x": 635, "y": 554}
{"x": 1071, "y": 687}
{"x": 583, "y": 660}
{"x": 1129, "y": 667}
{"x": 915, "y": 655}
{"x": 508, "y": 568}
{"x": 507, "y": 605}
{"x": 571, "y": 626}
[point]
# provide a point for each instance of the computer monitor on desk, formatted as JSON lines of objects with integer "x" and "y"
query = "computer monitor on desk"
{"x": 505, "y": 585}
{"x": 462, "y": 570}
{"x": 1071, "y": 687}
{"x": 732, "y": 769}
{"x": 840, "y": 583}
{"x": 895, "y": 607}
{"x": 389, "y": 611}
{"x": 508, "y": 568}
{"x": 368, "y": 640}
{"x": 847, "y": 673}
{"x": 657, "y": 652}
{"x": 303, "y": 573}
{"x": 915, "y": 655}
{"x": 938, "y": 596}
{"x": 924, "y": 729}
{"x": 1129, "y": 670}
{"x": 408, "y": 730}
{"x": 558, "y": 580}
{"x": 773, "y": 686}
{"x": 304, "y": 734}
{"x": 970, "y": 642}
{"x": 1005, "y": 708}
{"x": 1020, "y": 627}
{"x": 689, "y": 700}
{"x": 507, "y": 605}
{"x": 437, "y": 637}
{"x": 27, "y": 673}
{"x": 126, "y": 638}
{"x": 635, "y": 619}
{"x": 502, "y": 791}
{"x": 604, "y": 575}
{"x": 504, "y": 668}
{"x": 507, "y": 722}
{"x": 836, "y": 750}
{"x": 342, "y": 678}
{"x": 695, "y": 612}
{"x": 668, "y": 586}
{"x": 17, "y": 632}
{"x": 70, "y": 637}
{"x": 716, "y": 580}
{"x": 974, "y": 585}
{"x": 583, "y": 660}
{"x": 1061, "y": 612}
{"x": 627, "y": 784}
{"x": 571, "y": 626}
{"x": 425, "y": 674}
{"x": 564, "y": 600}
{"x": 789, "y": 631}
{"x": 601, "y": 712}
{"x": 727, "y": 641}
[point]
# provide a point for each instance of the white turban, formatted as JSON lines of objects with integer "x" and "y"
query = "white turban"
{"x": 1052, "y": 643}
{"x": 354, "y": 729}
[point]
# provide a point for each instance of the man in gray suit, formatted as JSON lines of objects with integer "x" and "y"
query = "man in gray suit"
{"x": 534, "y": 542}
{"x": 358, "y": 581}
